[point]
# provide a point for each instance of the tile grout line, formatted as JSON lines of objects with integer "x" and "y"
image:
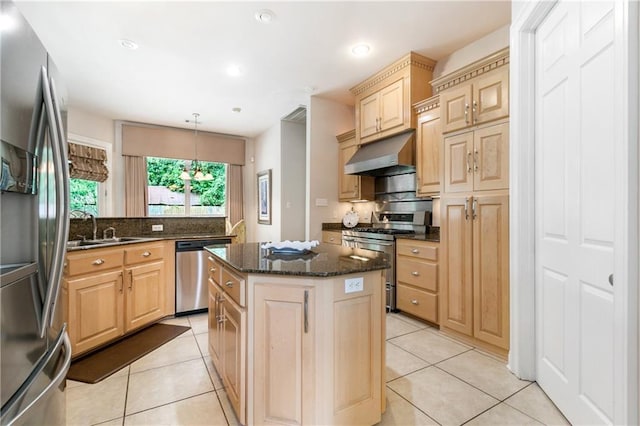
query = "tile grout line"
{"x": 412, "y": 404}
{"x": 526, "y": 414}
{"x": 172, "y": 402}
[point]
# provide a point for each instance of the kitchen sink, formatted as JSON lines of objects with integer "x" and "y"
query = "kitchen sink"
{"x": 105, "y": 241}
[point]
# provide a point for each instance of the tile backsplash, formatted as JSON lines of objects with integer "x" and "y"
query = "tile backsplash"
{"x": 141, "y": 226}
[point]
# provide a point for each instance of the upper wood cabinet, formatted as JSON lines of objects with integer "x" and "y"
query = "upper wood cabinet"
{"x": 384, "y": 100}
{"x": 475, "y": 94}
{"x": 428, "y": 147}
{"x": 351, "y": 187}
{"x": 477, "y": 160}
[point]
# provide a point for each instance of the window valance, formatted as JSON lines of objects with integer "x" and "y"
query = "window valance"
{"x": 87, "y": 162}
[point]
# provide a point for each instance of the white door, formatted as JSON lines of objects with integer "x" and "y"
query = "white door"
{"x": 577, "y": 109}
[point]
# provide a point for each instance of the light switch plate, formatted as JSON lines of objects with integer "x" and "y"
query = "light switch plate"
{"x": 157, "y": 227}
{"x": 353, "y": 285}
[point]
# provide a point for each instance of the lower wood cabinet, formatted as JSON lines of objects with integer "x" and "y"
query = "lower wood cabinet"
{"x": 332, "y": 237}
{"x": 112, "y": 291}
{"x": 417, "y": 278}
{"x": 475, "y": 268}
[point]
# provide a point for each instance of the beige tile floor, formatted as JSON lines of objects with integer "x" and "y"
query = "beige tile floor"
{"x": 431, "y": 380}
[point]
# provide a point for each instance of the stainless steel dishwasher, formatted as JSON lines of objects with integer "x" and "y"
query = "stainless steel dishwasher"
{"x": 192, "y": 274}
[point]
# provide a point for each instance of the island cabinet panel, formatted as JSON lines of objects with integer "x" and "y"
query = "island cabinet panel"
{"x": 215, "y": 327}
{"x": 284, "y": 335}
{"x": 145, "y": 294}
{"x": 233, "y": 333}
{"x": 95, "y": 310}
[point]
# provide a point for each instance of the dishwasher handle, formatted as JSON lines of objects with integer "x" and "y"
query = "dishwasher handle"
{"x": 193, "y": 245}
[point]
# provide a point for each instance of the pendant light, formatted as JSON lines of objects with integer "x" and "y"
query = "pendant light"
{"x": 198, "y": 175}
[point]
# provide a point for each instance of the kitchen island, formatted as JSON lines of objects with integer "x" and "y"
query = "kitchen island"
{"x": 299, "y": 338}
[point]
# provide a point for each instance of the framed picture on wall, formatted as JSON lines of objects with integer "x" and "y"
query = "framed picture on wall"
{"x": 264, "y": 197}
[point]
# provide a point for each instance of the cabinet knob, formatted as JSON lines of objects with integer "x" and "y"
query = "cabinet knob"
{"x": 331, "y": 239}
{"x": 212, "y": 269}
{"x": 146, "y": 254}
{"x": 98, "y": 262}
{"x": 415, "y": 251}
{"x": 414, "y": 301}
{"x": 229, "y": 283}
{"x": 415, "y": 273}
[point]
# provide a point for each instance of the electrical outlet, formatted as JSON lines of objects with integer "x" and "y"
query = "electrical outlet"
{"x": 353, "y": 285}
{"x": 157, "y": 227}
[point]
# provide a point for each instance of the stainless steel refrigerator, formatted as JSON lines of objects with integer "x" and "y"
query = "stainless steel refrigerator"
{"x": 35, "y": 353}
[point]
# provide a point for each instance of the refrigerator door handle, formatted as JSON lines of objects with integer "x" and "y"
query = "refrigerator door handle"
{"x": 62, "y": 339}
{"x": 62, "y": 205}
{"x": 53, "y": 280}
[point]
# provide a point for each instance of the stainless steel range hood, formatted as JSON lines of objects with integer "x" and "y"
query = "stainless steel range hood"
{"x": 386, "y": 157}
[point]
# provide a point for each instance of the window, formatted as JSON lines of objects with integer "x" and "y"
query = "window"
{"x": 168, "y": 195}
{"x": 83, "y": 195}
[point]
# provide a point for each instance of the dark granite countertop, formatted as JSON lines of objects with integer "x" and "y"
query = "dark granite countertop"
{"x": 433, "y": 237}
{"x": 75, "y": 245}
{"x": 323, "y": 261}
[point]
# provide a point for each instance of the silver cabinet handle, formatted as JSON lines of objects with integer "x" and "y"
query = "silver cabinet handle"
{"x": 212, "y": 269}
{"x": 415, "y": 251}
{"x": 306, "y": 311}
{"x": 98, "y": 262}
{"x": 475, "y": 160}
{"x": 414, "y": 301}
{"x": 468, "y": 161}
{"x": 146, "y": 254}
{"x": 466, "y": 113}
{"x": 415, "y": 273}
{"x": 121, "y": 282}
{"x": 474, "y": 113}
{"x": 130, "y": 280}
{"x": 229, "y": 283}
{"x": 474, "y": 205}
{"x": 466, "y": 208}
{"x": 331, "y": 239}
{"x": 611, "y": 279}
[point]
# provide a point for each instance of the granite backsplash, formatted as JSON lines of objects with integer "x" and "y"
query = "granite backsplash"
{"x": 141, "y": 226}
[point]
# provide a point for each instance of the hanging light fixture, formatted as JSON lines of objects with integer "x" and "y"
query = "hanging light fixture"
{"x": 195, "y": 166}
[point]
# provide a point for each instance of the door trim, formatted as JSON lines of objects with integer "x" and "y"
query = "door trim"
{"x": 522, "y": 355}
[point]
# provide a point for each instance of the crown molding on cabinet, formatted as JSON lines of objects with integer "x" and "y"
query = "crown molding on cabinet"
{"x": 479, "y": 67}
{"x": 427, "y": 104}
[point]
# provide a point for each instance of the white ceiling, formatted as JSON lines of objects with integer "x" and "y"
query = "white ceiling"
{"x": 186, "y": 47}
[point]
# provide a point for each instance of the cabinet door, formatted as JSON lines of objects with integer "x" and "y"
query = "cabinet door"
{"x": 145, "y": 294}
{"x": 491, "y": 97}
{"x": 457, "y": 265}
{"x": 491, "y": 269}
{"x": 234, "y": 367}
{"x": 369, "y": 115}
{"x": 456, "y": 108}
{"x": 392, "y": 106}
{"x": 284, "y": 373}
{"x": 491, "y": 158}
{"x": 215, "y": 324}
{"x": 458, "y": 159}
{"x": 429, "y": 153}
{"x": 95, "y": 310}
{"x": 348, "y": 184}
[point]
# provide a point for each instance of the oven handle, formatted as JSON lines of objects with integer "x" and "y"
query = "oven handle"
{"x": 367, "y": 241}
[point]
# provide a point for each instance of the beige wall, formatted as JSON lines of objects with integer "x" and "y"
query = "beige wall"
{"x": 325, "y": 120}
{"x": 480, "y": 48}
{"x": 294, "y": 168}
{"x": 267, "y": 156}
{"x": 83, "y": 123}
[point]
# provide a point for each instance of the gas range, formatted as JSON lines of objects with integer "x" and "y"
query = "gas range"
{"x": 376, "y": 233}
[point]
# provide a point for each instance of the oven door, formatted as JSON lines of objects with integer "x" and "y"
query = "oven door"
{"x": 382, "y": 246}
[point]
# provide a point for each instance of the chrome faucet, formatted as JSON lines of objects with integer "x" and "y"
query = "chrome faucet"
{"x": 113, "y": 233}
{"x": 87, "y": 215}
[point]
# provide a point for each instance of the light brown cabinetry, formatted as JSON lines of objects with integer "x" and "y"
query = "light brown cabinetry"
{"x": 332, "y": 237}
{"x": 429, "y": 151}
{"x": 112, "y": 291}
{"x": 482, "y": 99}
{"x": 417, "y": 278}
{"x": 477, "y": 160}
{"x": 351, "y": 187}
{"x": 228, "y": 333}
{"x": 475, "y": 272}
{"x": 383, "y": 101}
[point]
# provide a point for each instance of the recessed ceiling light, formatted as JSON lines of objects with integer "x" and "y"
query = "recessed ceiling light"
{"x": 128, "y": 44}
{"x": 7, "y": 23}
{"x": 361, "y": 49}
{"x": 234, "y": 70}
{"x": 264, "y": 16}
{"x": 236, "y": 109}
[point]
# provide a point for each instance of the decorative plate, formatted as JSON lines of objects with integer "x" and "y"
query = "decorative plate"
{"x": 350, "y": 219}
{"x": 290, "y": 246}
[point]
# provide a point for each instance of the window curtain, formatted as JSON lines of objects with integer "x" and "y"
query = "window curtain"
{"x": 234, "y": 193}
{"x": 135, "y": 186}
{"x": 87, "y": 162}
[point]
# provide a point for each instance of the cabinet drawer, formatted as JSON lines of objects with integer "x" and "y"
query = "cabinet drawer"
{"x": 214, "y": 269}
{"x": 419, "y": 249}
{"x": 332, "y": 237}
{"x": 417, "y": 302}
{"x": 141, "y": 254}
{"x": 234, "y": 286}
{"x": 93, "y": 261}
{"x": 418, "y": 273}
